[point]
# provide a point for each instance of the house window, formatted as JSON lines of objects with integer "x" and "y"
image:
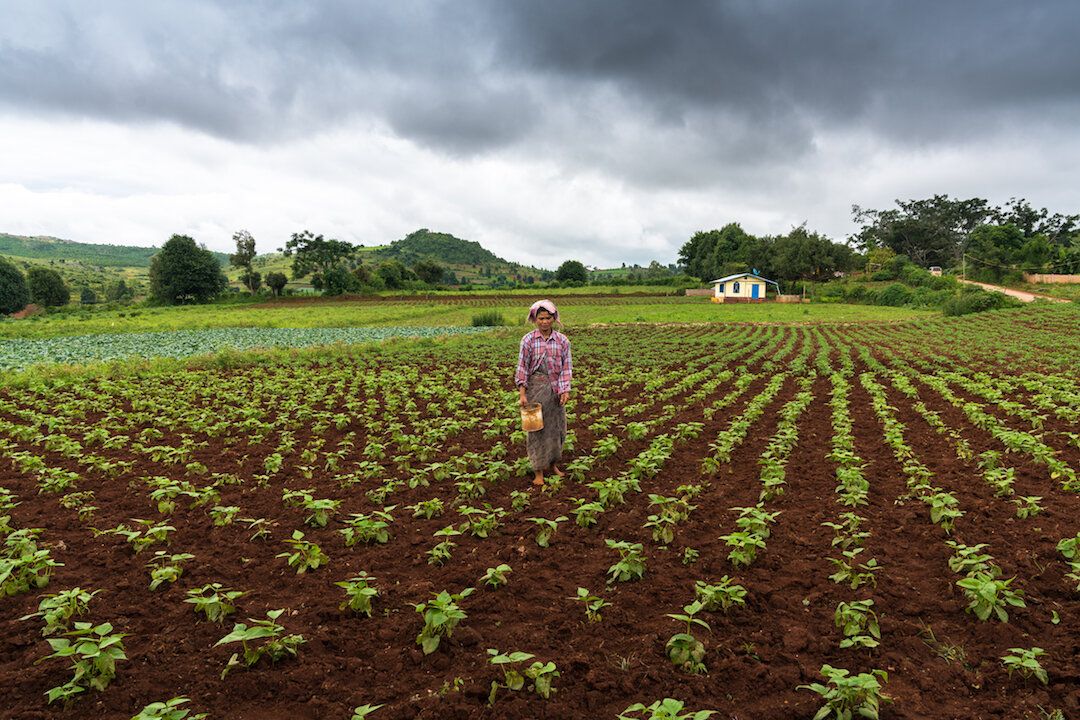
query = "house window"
{"x": 735, "y": 287}
{"x": 721, "y": 290}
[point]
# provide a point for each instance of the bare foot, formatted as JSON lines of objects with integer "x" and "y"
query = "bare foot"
{"x": 538, "y": 480}
{"x": 555, "y": 469}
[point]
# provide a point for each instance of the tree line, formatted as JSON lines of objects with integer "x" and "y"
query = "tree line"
{"x": 994, "y": 243}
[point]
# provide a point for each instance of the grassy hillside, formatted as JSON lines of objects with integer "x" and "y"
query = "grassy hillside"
{"x": 43, "y": 247}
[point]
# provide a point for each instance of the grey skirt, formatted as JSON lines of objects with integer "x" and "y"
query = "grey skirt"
{"x": 545, "y": 446}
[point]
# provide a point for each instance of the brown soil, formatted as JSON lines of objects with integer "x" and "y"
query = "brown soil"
{"x": 941, "y": 661}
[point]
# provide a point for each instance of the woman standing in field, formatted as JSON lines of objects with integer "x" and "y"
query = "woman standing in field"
{"x": 543, "y": 376}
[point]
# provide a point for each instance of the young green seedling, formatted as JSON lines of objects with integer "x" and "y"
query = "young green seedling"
{"x": 547, "y": 528}
{"x": 57, "y": 609}
{"x": 166, "y": 568}
{"x": 358, "y": 594}
{"x": 496, "y": 576}
{"x": 847, "y": 696}
{"x": 859, "y": 624}
{"x": 593, "y": 604}
{"x": 631, "y": 563}
{"x": 95, "y": 651}
{"x": 269, "y": 630}
{"x": 214, "y": 600}
{"x": 723, "y": 596}
{"x": 306, "y": 555}
{"x": 1026, "y": 663}
{"x": 368, "y": 528}
{"x": 441, "y": 615}
{"x": 666, "y": 709}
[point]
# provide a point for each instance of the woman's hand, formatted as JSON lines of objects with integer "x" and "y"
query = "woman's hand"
{"x": 522, "y": 400}
{"x": 563, "y": 397}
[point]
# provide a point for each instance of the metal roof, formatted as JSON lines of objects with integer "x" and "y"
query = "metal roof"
{"x": 737, "y": 275}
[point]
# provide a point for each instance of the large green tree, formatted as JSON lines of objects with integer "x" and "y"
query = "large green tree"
{"x": 314, "y": 253}
{"x": 571, "y": 271}
{"x": 47, "y": 287}
{"x": 14, "y": 292}
{"x": 241, "y": 259}
{"x": 802, "y": 255}
{"x": 184, "y": 272}
{"x": 276, "y": 281}
{"x": 429, "y": 271}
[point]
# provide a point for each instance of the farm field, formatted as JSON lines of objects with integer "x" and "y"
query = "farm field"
{"x": 440, "y": 311}
{"x": 899, "y": 500}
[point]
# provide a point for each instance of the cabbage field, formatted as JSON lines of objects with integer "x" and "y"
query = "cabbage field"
{"x": 762, "y": 521}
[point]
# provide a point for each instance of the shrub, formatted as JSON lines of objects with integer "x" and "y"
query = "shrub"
{"x": 977, "y": 300}
{"x": 488, "y": 318}
{"x": 895, "y": 295}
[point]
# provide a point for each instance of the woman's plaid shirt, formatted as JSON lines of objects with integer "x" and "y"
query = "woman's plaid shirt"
{"x": 536, "y": 350}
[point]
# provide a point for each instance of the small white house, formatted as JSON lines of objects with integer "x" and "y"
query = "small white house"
{"x": 741, "y": 287}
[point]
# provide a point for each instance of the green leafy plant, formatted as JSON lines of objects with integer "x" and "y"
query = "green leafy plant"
{"x": 168, "y": 710}
{"x": 306, "y": 555}
{"x": 358, "y": 594}
{"x": 496, "y": 576}
{"x": 321, "y": 511}
{"x": 24, "y": 565}
{"x": 440, "y": 554}
{"x": 441, "y": 615}
{"x": 223, "y": 515}
{"x": 1070, "y": 548}
{"x": 690, "y": 556}
{"x": 520, "y": 499}
{"x": 631, "y": 563}
{"x": 593, "y": 604}
{"x": 542, "y": 674}
{"x": 368, "y": 528}
{"x": 427, "y": 508}
{"x": 95, "y": 650}
{"x": 853, "y": 574}
{"x": 1028, "y": 505}
{"x": 744, "y": 547}
{"x": 756, "y": 521}
{"x": 546, "y": 528}
{"x": 214, "y": 600}
{"x": 723, "y": 596}
{"x": 362, "y": 711}
{"x": 683, "y": 649}
{"x": 261, "y": 526}
{"x": 481, "y": 522}
{"x": 859, "y": 624}
{"x": 276, "y": 646}
{"x": 59, "y": 608}
{"x": 990, "y": 595}
{"x": 968, "y": 559}
{"x": 666, "y": 709}
{"x": 1026, "y": 663}
{"x": 586, "y": 512}
{"x": 165, "y": 568}
{"x": 845, "y": 695}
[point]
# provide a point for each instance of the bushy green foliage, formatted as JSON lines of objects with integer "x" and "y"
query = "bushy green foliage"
{"x": 974, "y": 300}
{"x": 184, "y": 272}
{"x": 47, "y": 287}
{"x": 488, "y": 318}
{"x": 14, "y": 292}
{"x": 571, "y": 270}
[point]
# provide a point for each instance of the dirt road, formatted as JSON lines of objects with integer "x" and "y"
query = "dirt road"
{"x": 1018, "y": 294}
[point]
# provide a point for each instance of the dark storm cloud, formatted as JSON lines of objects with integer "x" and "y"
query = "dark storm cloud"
{"x": 631, "y": 85}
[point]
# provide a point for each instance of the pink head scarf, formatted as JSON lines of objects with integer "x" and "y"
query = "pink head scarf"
{"x": 543, "y": 305}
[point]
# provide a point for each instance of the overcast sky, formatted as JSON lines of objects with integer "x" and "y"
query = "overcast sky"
{"x": 604, "y": 131}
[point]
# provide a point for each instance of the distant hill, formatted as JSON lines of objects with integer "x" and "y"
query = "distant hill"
{"x": 442, "y": 247}
{"x": 44, "y": 247}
